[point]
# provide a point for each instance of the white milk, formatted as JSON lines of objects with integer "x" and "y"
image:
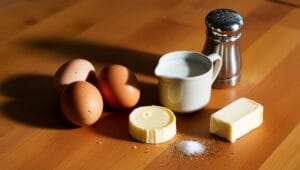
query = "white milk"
{"x": 183, "y": 68}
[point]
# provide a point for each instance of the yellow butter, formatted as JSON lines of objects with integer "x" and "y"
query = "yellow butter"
{"x": 152, "y": 124}
{"x": 236, "y": 119}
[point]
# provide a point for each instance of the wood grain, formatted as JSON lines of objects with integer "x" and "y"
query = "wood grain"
{"x": 36, "y": 37}
{"x": 286, "y": 155}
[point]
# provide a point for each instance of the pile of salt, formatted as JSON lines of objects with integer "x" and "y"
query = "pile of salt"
{"x": 190, "y": 147}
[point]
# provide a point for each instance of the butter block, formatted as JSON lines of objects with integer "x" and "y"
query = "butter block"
{"x": 152, "y": 124}
{"x": 236, "y": 119}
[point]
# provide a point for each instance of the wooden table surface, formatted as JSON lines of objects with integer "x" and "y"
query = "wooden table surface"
{"x": 37, "y": 37}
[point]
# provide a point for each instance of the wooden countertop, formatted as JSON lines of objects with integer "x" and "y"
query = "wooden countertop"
{"x": 36, "y": 37}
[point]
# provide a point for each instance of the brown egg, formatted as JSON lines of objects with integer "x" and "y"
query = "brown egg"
{"x": 74, "y": 70}
{"x": 119, "y": 87}
{"x": 81, "y": 103}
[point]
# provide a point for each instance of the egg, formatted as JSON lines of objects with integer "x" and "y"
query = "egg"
{"x": 119, "y": 87}
{"x": 81, "y": 103}
{"x": 74, "y": 70}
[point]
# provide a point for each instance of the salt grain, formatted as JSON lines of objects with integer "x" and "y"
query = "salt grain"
{"x": 190, "y": 147}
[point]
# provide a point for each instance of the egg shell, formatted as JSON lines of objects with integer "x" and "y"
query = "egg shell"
{"x": 74, "y": 70}
{"x": 119, "y": 87}
{"x": 81, "y": 103}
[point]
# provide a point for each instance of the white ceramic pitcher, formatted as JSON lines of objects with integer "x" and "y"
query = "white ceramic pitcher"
{"x": 185, "y": 79}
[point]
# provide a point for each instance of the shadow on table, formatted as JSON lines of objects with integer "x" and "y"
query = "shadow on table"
{"x": 196, "y": 124}
{"x": 137, "y": 61}
{"x": 113, "y": 124}
{"x": 33, "y": 102}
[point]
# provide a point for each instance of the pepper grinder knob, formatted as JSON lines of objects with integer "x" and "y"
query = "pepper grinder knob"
{"x": 222, "y": 37}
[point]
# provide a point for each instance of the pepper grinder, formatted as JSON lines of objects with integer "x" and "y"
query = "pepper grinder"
{"x": 222, "y": 37}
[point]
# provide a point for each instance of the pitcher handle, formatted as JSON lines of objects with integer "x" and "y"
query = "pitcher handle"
{"x": 217, "y": 64}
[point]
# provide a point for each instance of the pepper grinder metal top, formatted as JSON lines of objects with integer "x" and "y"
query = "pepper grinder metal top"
{"x": 223, "y": 32}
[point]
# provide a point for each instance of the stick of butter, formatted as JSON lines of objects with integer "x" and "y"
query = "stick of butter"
{"x": 152, "y": 124}
{"x": 236, "y": 119}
